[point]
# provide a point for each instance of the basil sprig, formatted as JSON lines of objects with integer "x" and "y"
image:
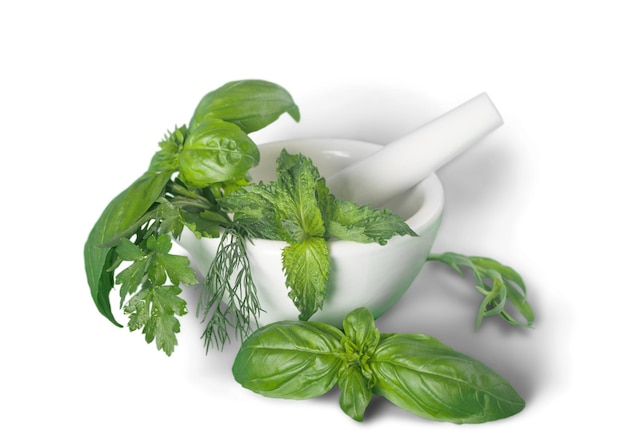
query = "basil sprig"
{"x": 301, "y": 360}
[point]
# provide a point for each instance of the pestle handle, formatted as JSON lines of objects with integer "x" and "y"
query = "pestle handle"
{"x": 408, "y": 160}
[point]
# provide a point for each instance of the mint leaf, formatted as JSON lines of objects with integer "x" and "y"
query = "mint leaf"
{"x": 350, "y": 221}
{"x": 255, "y": 207}
{"x": 298, "y": 206}
{"x": 307, "y": 267}
{"x": 205, "y": 223}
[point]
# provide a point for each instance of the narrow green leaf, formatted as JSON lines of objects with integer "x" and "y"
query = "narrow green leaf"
{"x": 501, "y": 287}
{"x": 229, "y": 296}
{"x": 121, "y": 213}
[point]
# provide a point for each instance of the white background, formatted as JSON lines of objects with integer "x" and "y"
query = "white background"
{"x": 89, "y": 88}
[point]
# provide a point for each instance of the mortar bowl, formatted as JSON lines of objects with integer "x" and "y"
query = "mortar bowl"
{"x": 362, "y": 274}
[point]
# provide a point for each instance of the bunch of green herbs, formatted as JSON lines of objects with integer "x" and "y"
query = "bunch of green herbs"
{"x": 199, "y": 180}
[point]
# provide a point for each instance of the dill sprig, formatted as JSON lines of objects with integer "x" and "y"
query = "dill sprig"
{"x": 229, "y": 298}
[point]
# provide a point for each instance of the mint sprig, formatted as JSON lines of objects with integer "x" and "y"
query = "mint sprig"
{"x": 299, "y": 209}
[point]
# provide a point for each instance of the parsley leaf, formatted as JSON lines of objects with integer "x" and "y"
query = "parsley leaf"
{"x": 154, "y": 309}
{"x": 154, "y": 305}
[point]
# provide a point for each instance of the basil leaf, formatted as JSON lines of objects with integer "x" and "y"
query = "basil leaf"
{"x": 216, "y": 151}
{"x": 356, "y": 393}
{"x": 254, "y": 207}
{"x": 421, "y": 375}
{"x": 360, "y": 329}
{"x": 289, "y": 359}
{"x": 249, "y": 104}
{"x": 357, "y": 380}
{"x": 120, "y": 214}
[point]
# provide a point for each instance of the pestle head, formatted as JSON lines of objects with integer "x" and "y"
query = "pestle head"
{"x": 408, "y": 160}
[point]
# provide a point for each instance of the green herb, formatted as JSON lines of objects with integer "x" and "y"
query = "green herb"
{"x": 229, "y": 295}
{"x": 119, "y": 215}
{"x": 199, "y": 180}
{"x": 301, "y": 360}
{"x": 196, "y": 165}
{"x": 154, "y": 308}
{"x": 298, "y": 208}
{"x": 500, "y": 285}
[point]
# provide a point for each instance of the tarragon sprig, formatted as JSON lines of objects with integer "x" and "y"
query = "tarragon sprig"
{"x": 501, "y": 286}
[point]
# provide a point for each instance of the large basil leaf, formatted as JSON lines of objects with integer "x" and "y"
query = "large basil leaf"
{"x": 216, "y": 151}
{"x": 421, "y": 375}
{"x": 249, "y": 104}
{"x": 121, "y": 213}
{"x": 289, "y": 359}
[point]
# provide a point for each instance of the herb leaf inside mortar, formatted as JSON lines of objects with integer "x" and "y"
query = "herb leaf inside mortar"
{"x": 298, "y": 208}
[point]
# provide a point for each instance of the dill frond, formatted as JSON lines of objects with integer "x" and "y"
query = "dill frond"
{"x": 229, "y": 299}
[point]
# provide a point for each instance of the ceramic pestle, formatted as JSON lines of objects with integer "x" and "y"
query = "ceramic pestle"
{"x": 406, "y": 161}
